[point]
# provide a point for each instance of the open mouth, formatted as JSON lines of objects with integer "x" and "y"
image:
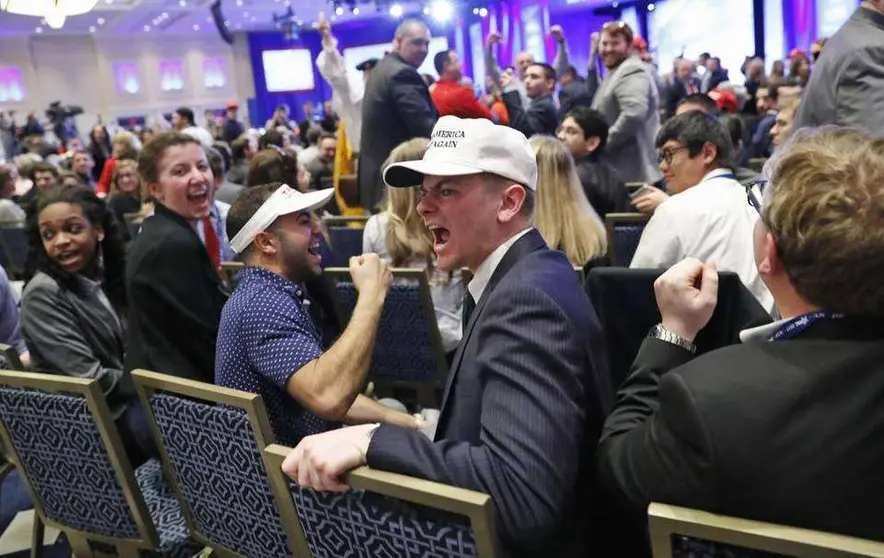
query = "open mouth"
{"x": 66, "y": 258}
{"x": 200, "y": 196}
{"x": 313, "y": 249}
{"x": 441, "y": 236}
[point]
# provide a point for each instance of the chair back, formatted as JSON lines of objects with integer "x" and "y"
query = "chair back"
{"x": 624, "y": 232}
{"x": 633, "y": 187}
{"x": 386, "y": 514}
{"x": 211, "y": 441}
{"x": 757, "y": 165}
{"x": 408, "y": 349}
{"x": 61, "y": 432}
{"x": 344, "y": 239}
{"x": 705, "y": 534}
{"x": 14, "y": 247}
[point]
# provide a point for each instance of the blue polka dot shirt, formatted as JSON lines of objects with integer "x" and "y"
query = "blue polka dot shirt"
{"x": 266, "y": 335}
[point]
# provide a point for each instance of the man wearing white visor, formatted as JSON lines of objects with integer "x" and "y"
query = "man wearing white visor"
{"x": 267, "y": 341}
{"x": 526, "y": 393}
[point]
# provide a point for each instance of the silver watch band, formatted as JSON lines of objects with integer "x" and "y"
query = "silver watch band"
{"x": 663, "y": 334}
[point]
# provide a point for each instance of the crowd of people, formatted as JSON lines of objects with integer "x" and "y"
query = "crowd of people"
{"x": 499, "y": 197}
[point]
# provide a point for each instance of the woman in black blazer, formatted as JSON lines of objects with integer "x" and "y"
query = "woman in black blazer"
{"x": 175, "y": 290}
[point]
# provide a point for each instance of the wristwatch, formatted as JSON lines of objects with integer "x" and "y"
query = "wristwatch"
{"x": 663, "y": 334}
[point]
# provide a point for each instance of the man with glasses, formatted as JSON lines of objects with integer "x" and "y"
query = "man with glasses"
{"x": 707, "y": 216}
{"x": 628, "y": 98}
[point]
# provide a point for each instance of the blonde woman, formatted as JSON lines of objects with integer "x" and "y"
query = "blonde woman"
{"x": 398, "y": 235}
{"x": 562, "y": 213}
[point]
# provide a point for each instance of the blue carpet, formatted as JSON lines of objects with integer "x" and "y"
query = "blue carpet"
{"x": 13, "y": 499}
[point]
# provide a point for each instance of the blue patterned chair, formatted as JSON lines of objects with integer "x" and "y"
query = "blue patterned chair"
{"x": 624, "y": 232}
{"x": 63, "y": 439}
{"x": 345, "y": 239}
{"x": 408, "y": 349}
{"x": 14, "y": 246}
{"x": 680, "y": 532}
{"x": 390, "y": 515}
{"x": 211, "y": 441}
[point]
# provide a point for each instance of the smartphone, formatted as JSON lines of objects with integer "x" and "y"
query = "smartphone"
{"x": 646, "y": 189}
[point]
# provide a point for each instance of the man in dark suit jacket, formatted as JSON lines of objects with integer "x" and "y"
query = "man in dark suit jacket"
{"x": 528, "y": 388}
{"x": 846, "y": 87}
{"x": 395, "y": 108}
{"x": 782, "y": 427}
{"x": 683, "y": 84}
{"x": 541, "y": 116}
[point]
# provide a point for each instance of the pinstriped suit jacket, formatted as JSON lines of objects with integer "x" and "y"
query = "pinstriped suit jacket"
{"x": 523, "y": 409}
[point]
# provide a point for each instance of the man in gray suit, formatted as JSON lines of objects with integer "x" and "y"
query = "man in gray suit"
{"x": 629, "y": 99}
{"x": 528, "y": 387}
{"x": 847, "y": 84}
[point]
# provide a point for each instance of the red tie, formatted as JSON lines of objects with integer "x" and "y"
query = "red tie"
{"x": 212, "y": 245}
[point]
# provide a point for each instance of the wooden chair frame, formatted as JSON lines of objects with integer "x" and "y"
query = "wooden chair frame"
{"x": 477, "y": 506}
{"x": 425, "y": 393}
{"x": 125, "y": 473}
{"x": 614, "y": 219}
{"x": 147, "y": 383}
{"x": 666, "y": 520}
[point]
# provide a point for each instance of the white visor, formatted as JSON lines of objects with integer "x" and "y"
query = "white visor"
{"x": 283, "y": 201}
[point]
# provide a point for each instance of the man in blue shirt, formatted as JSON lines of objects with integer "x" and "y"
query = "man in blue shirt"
{"x": 267, "y": 341}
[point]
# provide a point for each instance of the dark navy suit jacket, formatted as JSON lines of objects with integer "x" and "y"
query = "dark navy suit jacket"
{"x": 523, "y": 409}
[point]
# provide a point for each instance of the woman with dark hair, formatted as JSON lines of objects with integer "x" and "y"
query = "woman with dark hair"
{"x": 100, "y": 149}
{"x": 74, "y": 302}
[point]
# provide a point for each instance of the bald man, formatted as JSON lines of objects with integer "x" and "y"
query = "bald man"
{"x": 396, "y": 107}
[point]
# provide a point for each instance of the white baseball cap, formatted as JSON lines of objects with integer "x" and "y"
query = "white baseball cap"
{"x": 463, "y": 146}
{"x": 283, "y": 201}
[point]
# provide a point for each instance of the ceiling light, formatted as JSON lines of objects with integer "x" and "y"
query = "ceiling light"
{"x": 182, "y": 3}
{"x": 441, "y": 10}
{"x": 239, "y": 3}
{"x": 101, "y": 21}
{"x": 39, "y": 30}
{"x": 651, "y": 7}
{"x": 396, "y": 10}
{"x": 355, "y": 11}
{"x": 92, "y": 29}
{"x": 196, "y": 27}
{"x": 483, "y": 12}
{"x": 339, "y": 10}
{"x": 147, "y": 28}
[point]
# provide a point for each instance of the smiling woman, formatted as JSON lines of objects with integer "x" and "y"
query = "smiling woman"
{"x": 74, "y": 303}
{"x": 175, "y": 289}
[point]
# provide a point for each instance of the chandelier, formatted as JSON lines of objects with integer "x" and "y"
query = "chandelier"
{"x": 55, "y": 12}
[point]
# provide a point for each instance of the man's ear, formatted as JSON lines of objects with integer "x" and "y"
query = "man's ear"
{"x": 266, "y": 243}
{"x": 709, "y": 153}
{"x": 512, "y": 199}
{"x": 592, "y": 144}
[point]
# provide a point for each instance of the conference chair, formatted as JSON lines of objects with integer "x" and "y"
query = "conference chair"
{"x": 62, "y": 437}
{"x": 408, "y": 351}
{"x": 211, "y": 441}
{"x": 344, "y": 239}
{"x": 387, "y": 514}
{"x": 682, "y": 532}
{"x": 624, "y": 233}
{"x": 14, "y": 248}
{"x": 7, "y": 465}
{"x": 626, "y": 307}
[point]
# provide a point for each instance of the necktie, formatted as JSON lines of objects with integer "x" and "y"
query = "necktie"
{"x": 467, "y": 310}
{"x": 213, "y": 247}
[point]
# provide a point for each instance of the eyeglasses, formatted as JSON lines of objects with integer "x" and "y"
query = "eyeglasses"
{"x": 750, "y": 193}
{"x": 667, "y": 154}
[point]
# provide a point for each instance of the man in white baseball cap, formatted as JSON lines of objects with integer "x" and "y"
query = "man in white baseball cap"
{"x": 527, "y": 390}
{"x": 267, "y": 341}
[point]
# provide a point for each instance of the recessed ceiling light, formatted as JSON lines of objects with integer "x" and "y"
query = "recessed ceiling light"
{"x": 101, "y": 21}
{"x": 108, "y": 1}
{"x": 196, "y": 27}
{"x": 355, "y": 11}
{"x": 39, "y": 30}
{"x": 182, "y": 3}
{"x": 92, "y": 29}
{"x": 239, "y": 3}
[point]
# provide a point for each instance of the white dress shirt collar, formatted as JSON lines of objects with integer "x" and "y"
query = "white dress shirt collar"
{"x": 715, "y": 173}
{"x": 486, "y": 268}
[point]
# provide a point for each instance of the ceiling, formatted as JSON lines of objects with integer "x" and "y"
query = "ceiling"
{"x": 179, "y": 17}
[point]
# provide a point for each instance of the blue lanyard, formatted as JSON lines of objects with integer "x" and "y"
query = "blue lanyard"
{"x": 798, "y": 324}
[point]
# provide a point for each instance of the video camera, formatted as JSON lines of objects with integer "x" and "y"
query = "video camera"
{"x": 58, "y": 113}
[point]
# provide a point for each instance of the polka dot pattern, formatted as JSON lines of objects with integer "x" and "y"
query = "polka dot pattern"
{"x": 266, "y": 335}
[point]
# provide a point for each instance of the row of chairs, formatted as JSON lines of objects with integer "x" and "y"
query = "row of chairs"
{"x": 219, "y": 486}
